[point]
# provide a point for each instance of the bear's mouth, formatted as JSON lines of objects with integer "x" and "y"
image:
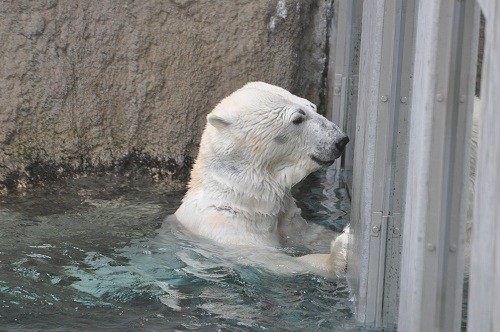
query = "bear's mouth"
{"x": 322, "y": 162}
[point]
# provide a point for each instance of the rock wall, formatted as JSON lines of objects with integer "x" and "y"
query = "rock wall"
{"x": 124, "y": 86}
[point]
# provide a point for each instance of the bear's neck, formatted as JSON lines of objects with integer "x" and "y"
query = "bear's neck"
{"x": 252, "y": 193}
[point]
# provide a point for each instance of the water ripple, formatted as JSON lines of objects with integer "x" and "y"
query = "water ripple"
{"x": 100, "y": 262}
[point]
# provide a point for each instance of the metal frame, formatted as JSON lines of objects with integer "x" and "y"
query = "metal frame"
{"x": 423, "y": 51}
{"x": 484, "y": 284}
{"x": 380, "y": 159}
{"x": 434, "y": 232}
{"x": 345, "y": 38}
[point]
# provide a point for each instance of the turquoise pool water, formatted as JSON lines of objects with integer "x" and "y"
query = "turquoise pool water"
{"x": 95, "y": 254}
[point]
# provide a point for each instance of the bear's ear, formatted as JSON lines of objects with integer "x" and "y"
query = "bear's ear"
{"x": 217, "y": 121}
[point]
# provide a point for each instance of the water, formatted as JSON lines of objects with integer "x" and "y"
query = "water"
{"x": 95, "y": 254}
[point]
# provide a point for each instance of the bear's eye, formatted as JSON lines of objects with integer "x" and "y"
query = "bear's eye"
{"x": 298, "y": 120}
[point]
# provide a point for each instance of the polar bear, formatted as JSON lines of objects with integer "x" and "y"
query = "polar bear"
{"x": 258, "y": 143}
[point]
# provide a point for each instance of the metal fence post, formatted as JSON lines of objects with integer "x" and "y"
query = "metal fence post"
{"x": 484, "y": 284}
{"x": 345, "y": 37}
{"x": 380, "y": 159}
{"x": 434, "y": 227}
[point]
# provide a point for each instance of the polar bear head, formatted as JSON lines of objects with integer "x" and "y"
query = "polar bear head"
{"x": 264, "y": 135}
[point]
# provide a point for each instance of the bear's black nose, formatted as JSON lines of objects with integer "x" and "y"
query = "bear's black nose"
{"x": 340, "y": 145}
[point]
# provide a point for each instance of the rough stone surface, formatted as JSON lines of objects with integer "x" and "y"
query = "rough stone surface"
{"x": 124, "y": 86}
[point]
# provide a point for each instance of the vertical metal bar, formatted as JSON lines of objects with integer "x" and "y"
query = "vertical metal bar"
{"x": 374, "y": 303}
{"x": 361, "y": 244}
{"x": 404, "y": 51}
{"x": 467, "y": 35}
{"x": 380, "y": 150}
{"x": 484, "y": 285}
{"x": 431, "y": 276}
{"x": 342, "y": 116}
{"x": 344, "y": 51}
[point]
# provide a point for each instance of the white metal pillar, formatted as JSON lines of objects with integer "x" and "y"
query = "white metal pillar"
{"x": 343, "y": 71}
{"x": 434, "y": 227}
{"x": 484, "y": 284}
{"x": 380, "y": 159}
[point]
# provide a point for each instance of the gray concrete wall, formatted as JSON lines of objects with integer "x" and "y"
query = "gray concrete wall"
{"x": 124, "y": 86}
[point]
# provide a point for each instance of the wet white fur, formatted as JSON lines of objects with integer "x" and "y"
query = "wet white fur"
{"x": 251, "y": 154}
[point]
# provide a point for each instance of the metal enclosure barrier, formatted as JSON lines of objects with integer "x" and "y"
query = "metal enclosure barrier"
{"x": 416, "y": 61}
{"x": 484, "y": 285}
{"x": 345, "y": 38}
{"x": 436, "y": 200}
{"x": 379, "y": 170}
